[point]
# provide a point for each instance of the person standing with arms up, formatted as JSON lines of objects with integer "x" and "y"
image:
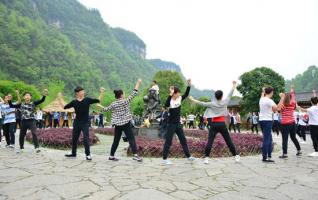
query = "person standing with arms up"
{"x": 28, "y": 117}
{"x": 174, "y": 102}
{"x": 121, "y": 119}
{"x": 81, "y": 105}
{"x": 216, "y": 113}
{"x": 287, "y": 106}
{"x": 9, "y": 123}
{"x": 267, "y": 107}
{"x": 313, "y": 123}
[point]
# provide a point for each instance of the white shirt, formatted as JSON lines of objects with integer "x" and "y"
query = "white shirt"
{"x": 296, "y": 116}
{"x": 191, "y": 117}
{"x": 301, "y": 119}
{"x": 313, "y": 115}
{"x": 266, "y": 109}
{"x": 276, "y": 116}
{"x": 155, "y": 87}
{"x": 39, "y": 115}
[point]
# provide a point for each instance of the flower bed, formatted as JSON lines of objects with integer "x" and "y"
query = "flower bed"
{"x": 60, "y": 138}
{"x": 104, "y": 131}
{"x": 246, "y": 144}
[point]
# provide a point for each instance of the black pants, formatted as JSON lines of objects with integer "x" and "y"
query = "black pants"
{"x": 219, "y": 127}
{"x": 302, "y": 132}
{"x": 40, "y": 124}
{"x": 255, "y": 127}
{"x": 77, "y": 129}
{"x": 9, "y": 132}
{"x": 65, "y": 123}
{"x": 163, "y": 130}
{"x": 56, "y": 123}
{"x": 129, "y": 135}
{"x": 289, "y": 129}
{"x": 314, "y": 136}
{"x": 171, "y": 129}
{"x": 238, "y": 126}
{"x": 191, "y": 124}
{"x": 28, "y": 124}
{"x": 276, "y": 127}
{"x": 232, "y": 125}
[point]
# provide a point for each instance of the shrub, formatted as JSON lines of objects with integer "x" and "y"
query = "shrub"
{"x": 246, "y": 144}
{"x": 60, "y": 138}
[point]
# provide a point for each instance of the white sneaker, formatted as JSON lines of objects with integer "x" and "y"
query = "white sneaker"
{"x": 191, "y": 159}
{"x": 206, "y": 160}
{"x": 89, "y": 158}
{"x": 237, "y": 158}
{"x": 11, "y": 146}
{"x": 314, "y": 154}
{"x": 166, "y": 162}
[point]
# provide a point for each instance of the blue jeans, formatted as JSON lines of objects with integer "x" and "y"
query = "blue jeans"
{"x": 267, "y": 138}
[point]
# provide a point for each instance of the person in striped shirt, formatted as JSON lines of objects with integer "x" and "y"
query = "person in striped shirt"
{"x": 287, "y": 106}
{"x": 9, "y": 122}
{"x": 121, "y": 119}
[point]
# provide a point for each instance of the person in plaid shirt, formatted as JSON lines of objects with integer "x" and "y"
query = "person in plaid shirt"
{"x": 121, "y": 118}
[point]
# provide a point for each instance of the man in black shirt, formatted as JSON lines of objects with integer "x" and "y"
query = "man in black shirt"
{"x": 173, "y": 102}
{"x": 81, "y": 105}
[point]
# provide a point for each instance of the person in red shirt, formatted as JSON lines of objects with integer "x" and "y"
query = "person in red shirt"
{"x": 287, "y": 106}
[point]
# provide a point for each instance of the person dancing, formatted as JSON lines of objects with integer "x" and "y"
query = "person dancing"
{"x": 121, "y": 119}
{"x": 28, "y": 118}
{"x": 216, "y": 113}
{"x": 174, "y": 102}
{"x": 81, "y": 105}
{"x": 287, "y": 106}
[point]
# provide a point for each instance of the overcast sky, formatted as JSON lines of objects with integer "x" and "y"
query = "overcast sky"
{"x": 215, "y": 41}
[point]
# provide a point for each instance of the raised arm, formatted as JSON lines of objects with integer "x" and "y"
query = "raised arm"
{"x": 1, "y": 100}
{"x": 229, "y": 96}
{"x": 134, "y": 92}
{"x": 18, "y": 105}
{"x": 206, "y": 104}
{"x": 292, "y": 94}
{"x": 187, "y": 92}
{"x": 314, "y": 94}
{"x": 45, "y": 93}
{"x": 281, "y": 101}
{"x": 263, "y": 92}
{"x": 18, "y": 96}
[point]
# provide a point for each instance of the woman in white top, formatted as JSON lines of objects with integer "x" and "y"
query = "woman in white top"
{"x": 313, "y": 123}
{"x": 267, "y": 106}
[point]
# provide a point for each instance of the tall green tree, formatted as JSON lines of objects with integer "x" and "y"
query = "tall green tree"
{"x": 305, "y": 82}
{"x": 9, "y": 87}
{"x": 252, "y": 83}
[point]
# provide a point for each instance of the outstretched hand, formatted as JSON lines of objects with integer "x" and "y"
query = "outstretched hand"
{"x": 171, "y": 89}
{"x": 102, "y": 90}
{"x": 189, "y": 82}
{"x": 45, "y": 92}
{"x": 191, "y": 98}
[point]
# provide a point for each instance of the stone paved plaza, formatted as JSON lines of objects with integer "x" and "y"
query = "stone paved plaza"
{"x": 49, "y": 175}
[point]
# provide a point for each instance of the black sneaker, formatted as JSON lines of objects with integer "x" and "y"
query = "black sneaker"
{"x": 113, "y": 159}
{"x": 283, "y": 156}
{"x": 37, "y": 150}
{"x": 70, "y": 155}
{"x": 268, "y": 161}
{"x": 299, "y": 153}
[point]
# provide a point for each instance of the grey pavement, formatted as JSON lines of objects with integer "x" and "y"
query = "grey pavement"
{"x": 48, "y": 175}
